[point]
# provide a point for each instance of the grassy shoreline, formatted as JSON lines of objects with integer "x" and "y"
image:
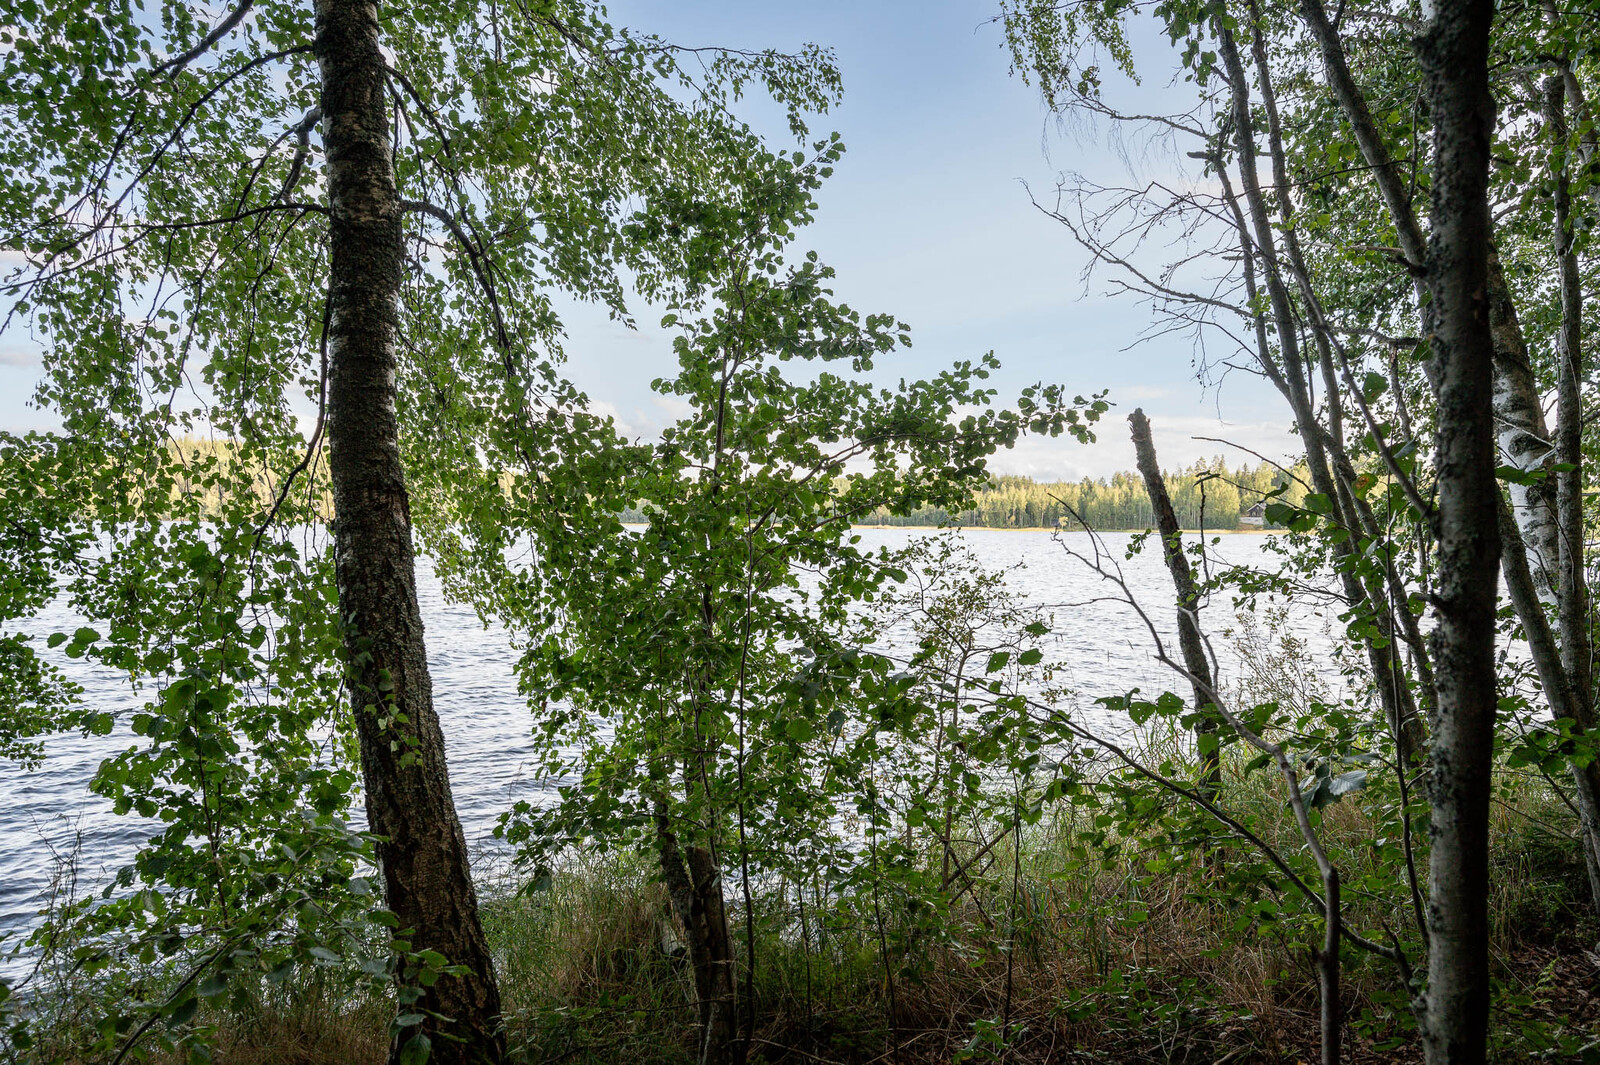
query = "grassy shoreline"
{"x": 1112, "y": 955}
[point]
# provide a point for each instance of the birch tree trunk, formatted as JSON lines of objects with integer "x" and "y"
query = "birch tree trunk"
{"x": 420, "y": 847}
{"x": 1453, "y": 56}
{"x": 1572, "y": 582}
{"x": 1521, "y": 434}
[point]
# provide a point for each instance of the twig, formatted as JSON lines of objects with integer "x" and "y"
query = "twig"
{"x": 173, "y": 67}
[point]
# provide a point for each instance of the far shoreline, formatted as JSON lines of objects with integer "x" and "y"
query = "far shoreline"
{"x": 1062, "y": 528}
{"x": 1034, "y": 529}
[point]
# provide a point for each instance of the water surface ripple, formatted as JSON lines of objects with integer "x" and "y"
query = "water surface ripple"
{"x": 49, "y": 814}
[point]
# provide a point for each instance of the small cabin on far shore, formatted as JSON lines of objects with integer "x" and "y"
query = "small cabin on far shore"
{"x": 1256, "y": 515}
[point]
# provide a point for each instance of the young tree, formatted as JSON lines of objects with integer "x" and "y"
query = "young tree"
{"x": 720, "y": 640}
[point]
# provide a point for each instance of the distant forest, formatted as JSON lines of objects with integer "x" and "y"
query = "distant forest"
{"x": 1208, "y": 495}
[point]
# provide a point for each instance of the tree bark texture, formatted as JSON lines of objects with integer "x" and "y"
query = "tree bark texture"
{"x": 1572, "y": 582}
{"x": 1189, "y": 641}
{"x": 1521, "y": 434}
{"x": 1453, "y": 56}
{"x": 421, "y": 847}
{"x": 694, "y": 885}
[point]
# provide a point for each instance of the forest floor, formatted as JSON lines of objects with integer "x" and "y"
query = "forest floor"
{"x": 1158, "y": 1016}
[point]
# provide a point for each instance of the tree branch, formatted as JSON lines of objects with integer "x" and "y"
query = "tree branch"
{"x": 173, "y": 67}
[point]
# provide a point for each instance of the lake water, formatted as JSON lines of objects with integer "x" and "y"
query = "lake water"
{"x": 1102, "y": 648}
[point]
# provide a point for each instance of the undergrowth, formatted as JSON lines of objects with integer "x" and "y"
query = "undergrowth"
{"x": 1080, "y": 948}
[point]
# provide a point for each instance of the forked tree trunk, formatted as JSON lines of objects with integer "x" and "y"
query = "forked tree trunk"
{"x": 1189, "y": 640}
{"x": 1453, "y": 55}
{"x": 420, "y": 847}
{"x": 694, "y": 885}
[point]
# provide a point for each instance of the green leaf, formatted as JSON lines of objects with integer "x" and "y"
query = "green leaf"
{"x": 183, "y": 1012}
{"x": 416, "y": 1050}
{"x": 1345, "y": 783}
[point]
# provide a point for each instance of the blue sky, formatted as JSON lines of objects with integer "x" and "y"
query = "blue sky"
{"x": 927, "y": 218}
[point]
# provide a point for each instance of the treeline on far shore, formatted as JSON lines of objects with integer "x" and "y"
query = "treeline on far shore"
{"x": 1207, "y": 495}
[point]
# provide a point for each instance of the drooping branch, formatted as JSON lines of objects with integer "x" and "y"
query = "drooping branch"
{"x": 478, "y": 260}
{"x": 173, "y": 137}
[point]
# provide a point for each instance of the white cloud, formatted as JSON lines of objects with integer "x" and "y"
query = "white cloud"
{"x": 1140, "y": 393}
{"x": 674, "y": 408}
{"x": 18, "y": 357}
{"x": 1175, "y": 438}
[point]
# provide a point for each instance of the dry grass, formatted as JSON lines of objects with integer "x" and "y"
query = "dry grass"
{"x": 306, "y": 1033}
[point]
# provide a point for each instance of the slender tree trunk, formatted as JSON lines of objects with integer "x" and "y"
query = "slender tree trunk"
{"x": 1405, "y": 721}
{"x": 1391, "y": 182}
{"x": 1572, "y": 583}
{"x": 1453, "y": 55}
{"x": 1332, "y": 1005}
{"x": 1398, "y": 705}
{"x": 1189, "y": 640}
{"x": 1520, "y": 429}
{"x": 420, "y": 847}
{"x": 1558, "y": 688}
{"x": 1521, "y": 433}
{"x": 694, "y": 884}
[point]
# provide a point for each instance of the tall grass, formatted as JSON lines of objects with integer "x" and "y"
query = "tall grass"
{"x": 1058, "y": 951}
